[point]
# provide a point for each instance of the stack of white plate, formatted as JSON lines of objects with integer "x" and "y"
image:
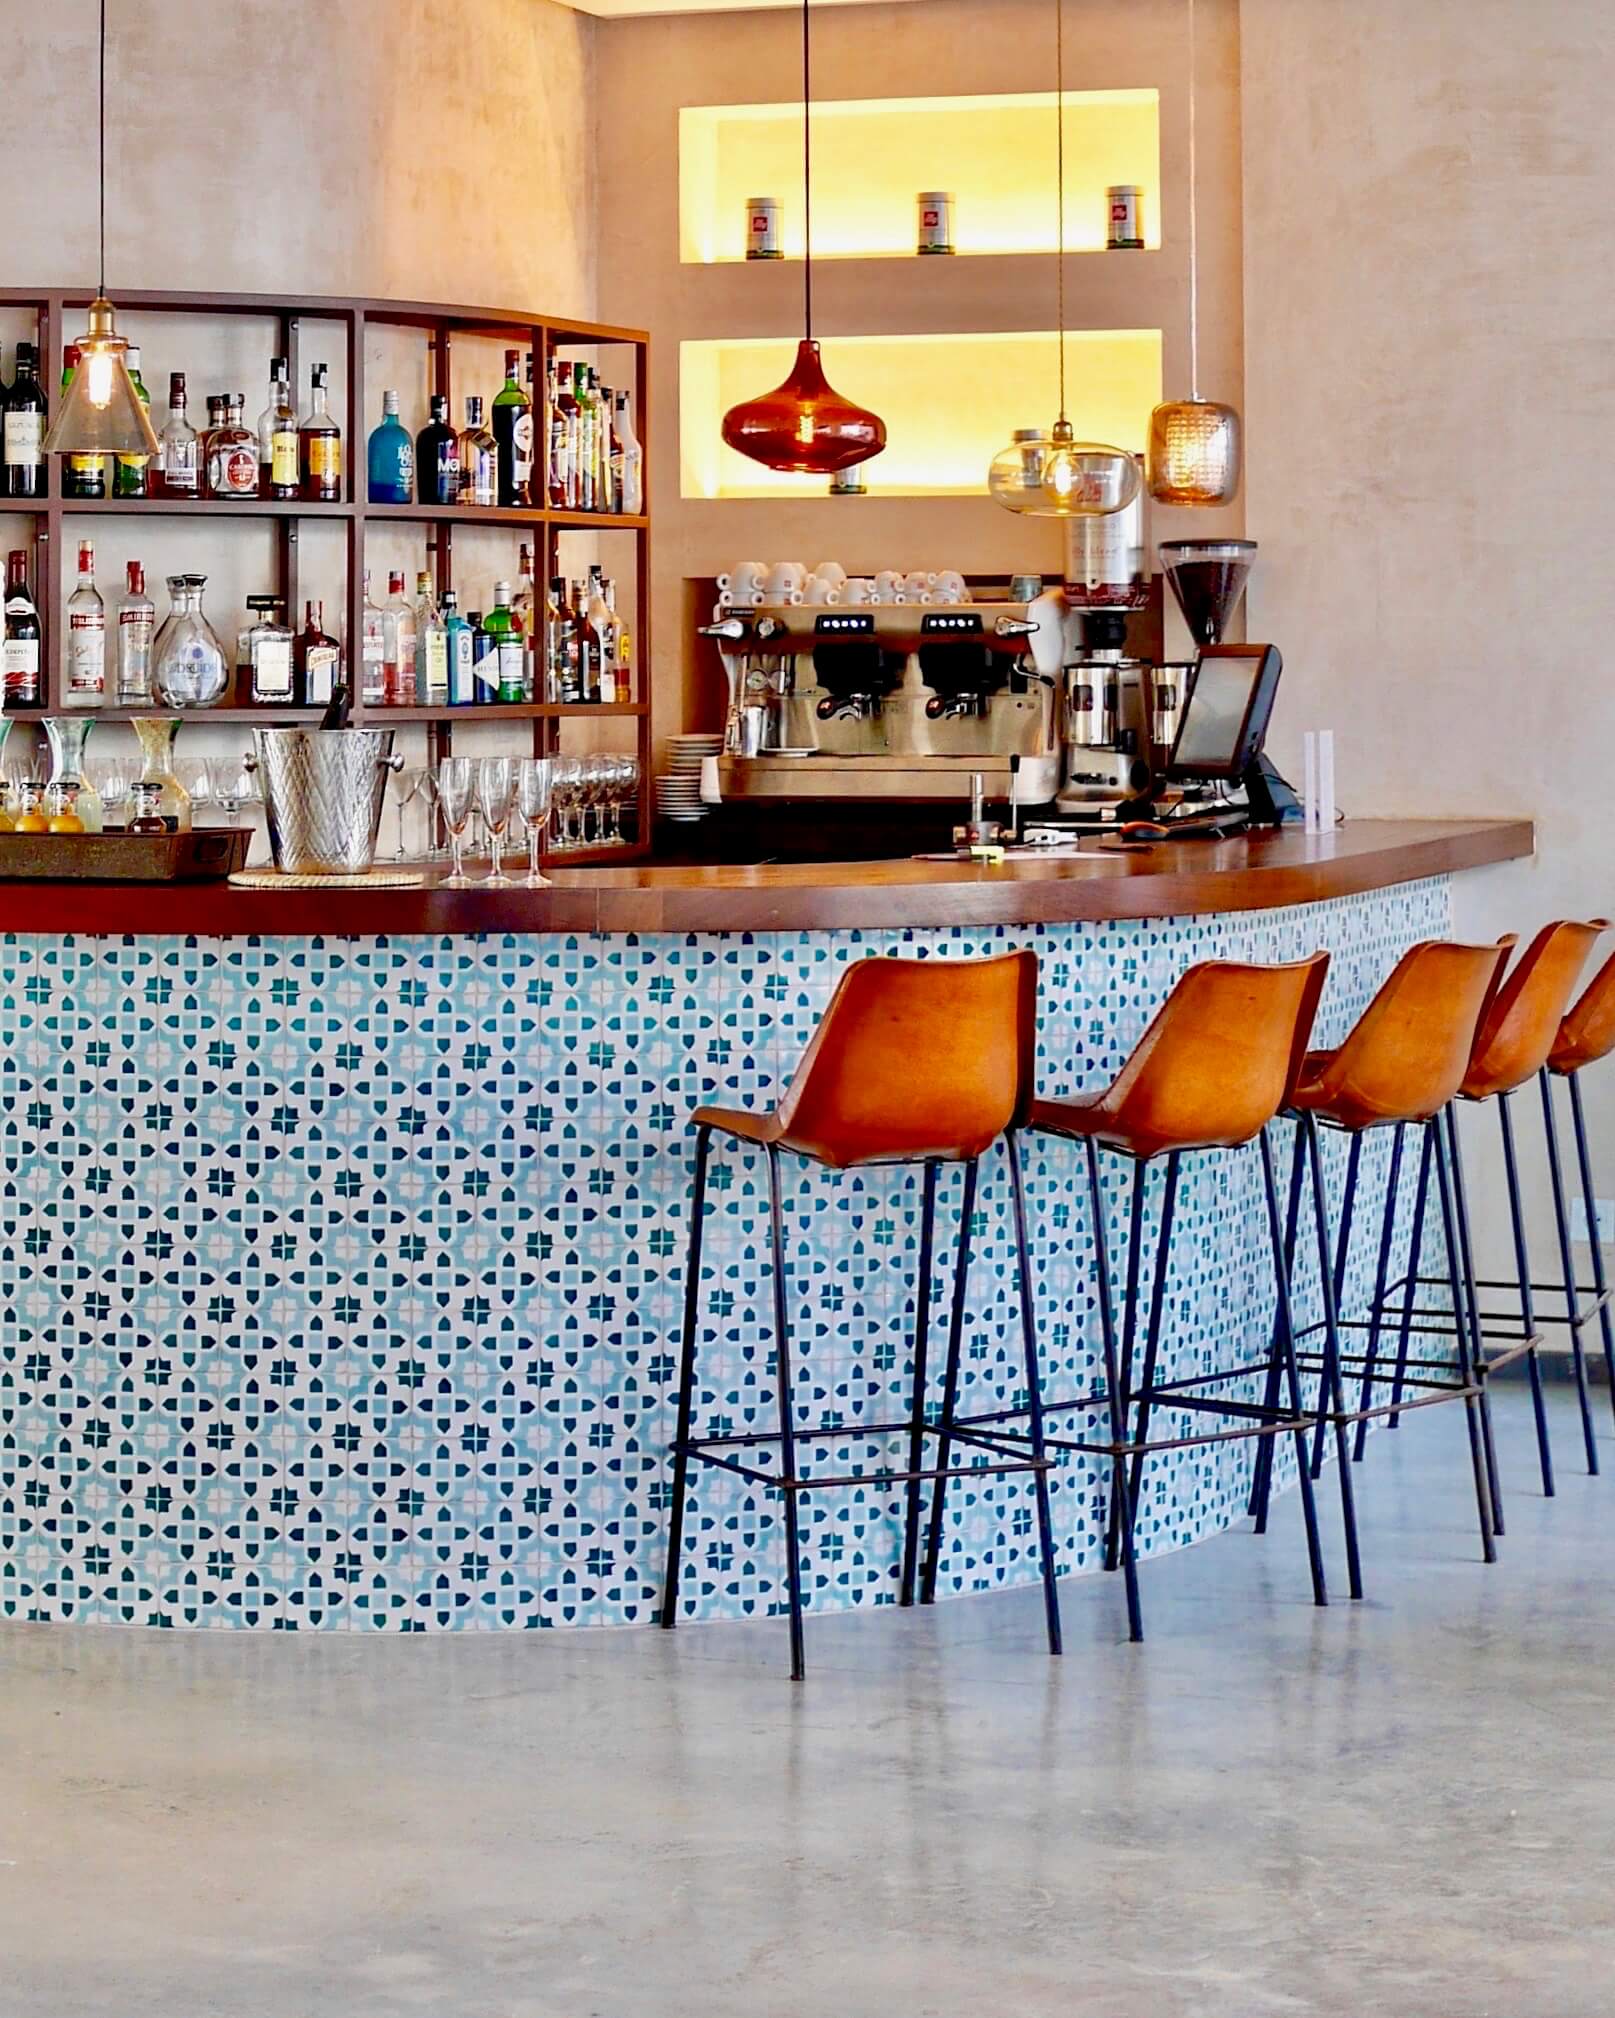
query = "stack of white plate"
{"x": 678, "y": 789}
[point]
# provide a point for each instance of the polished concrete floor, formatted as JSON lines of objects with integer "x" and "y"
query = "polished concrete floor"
{"x": 1403, "y": 1807}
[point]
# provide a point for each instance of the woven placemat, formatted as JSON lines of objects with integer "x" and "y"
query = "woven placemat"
{"x": 367, "y": 879}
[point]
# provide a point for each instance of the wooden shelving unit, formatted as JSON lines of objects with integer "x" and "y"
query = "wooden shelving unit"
{"x": 440, "y": 323}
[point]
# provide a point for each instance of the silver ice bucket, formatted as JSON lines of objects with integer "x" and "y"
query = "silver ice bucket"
{"x": 323, "y": 790}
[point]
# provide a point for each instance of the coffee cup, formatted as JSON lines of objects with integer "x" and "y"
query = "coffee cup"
{"x": 832, "y": 572}
{"x": 818, "y": 590}
{"x": 744, "y": 581}
{"x": 781, "y": 579}
{"x": 948, "y": 584}
{"x": 858, "y": 589}
{"x": 888, "y": 586}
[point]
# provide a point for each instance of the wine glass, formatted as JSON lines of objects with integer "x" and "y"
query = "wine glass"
{"x": 196, "y": 783}
{"x": 535, "y": 784}
{"x": 224, "y": 786}
{"x": 568, "y": 786}
{"x": 455, "y": 779}
{"x": 494, "y": 784}
{"x": 625, "y": 777}
{"x": 406, "y": 786}
{"x": 430, "y": 850}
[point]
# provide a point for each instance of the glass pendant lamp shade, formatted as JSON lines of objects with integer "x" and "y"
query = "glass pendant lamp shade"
{"x": 1050, "y": 474}
{"x": 804, "y": 424}
{"x": 1195, "y": 453}
{"x": 102, "y": 413}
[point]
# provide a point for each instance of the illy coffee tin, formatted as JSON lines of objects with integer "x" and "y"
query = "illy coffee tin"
{"x": 934, "y": 220}
{"x": 762, "y": 228}
{"x": 1126, "y": 229}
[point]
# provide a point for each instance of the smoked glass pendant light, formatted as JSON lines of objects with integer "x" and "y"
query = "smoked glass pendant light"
{"x": 102, "y": 413}
{"x": 1195, "y": 449}
{"x": 1049, "y": 473}
{"x": 805, "y": 424}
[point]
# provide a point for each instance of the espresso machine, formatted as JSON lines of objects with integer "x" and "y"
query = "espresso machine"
{"x": 902, "y": 701}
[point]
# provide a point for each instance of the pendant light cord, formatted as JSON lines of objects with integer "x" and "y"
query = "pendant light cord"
{"x": 807, "y": 176}
{"x": 102, "y": 288}
{"x": 1194, "y": 227}
{"x": 1059, "y": 185}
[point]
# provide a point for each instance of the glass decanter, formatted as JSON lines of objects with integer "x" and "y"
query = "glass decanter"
{"x": 156, "y": 733}
{"x": 188, "y": 665}
{"x": 67, "y": 735}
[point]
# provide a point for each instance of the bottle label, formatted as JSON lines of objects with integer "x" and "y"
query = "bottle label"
{"x": 448, "y": 469}
{"x": 21, "y": 662}
{"x": 437, "y": 667}
{"x": 325, "y": 457}
{"x": 319, "y": 668}
{"x": 521, "y": 444}
{"x": 283, "y": 458}
{"x": 23, "y": 434}
{"x": 272, "y": 670}
{"x": 233, "y": 470}
{"x": 462, "y": 688}
{"x": 512, "y": 669}
{"x": 86, "y": 652}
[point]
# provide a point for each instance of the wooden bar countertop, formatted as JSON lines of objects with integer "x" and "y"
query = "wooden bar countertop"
{"x": 1167, "y": 879}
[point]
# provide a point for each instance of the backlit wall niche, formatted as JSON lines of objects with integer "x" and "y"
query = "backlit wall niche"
{"x": 949, "y": 402}
{"x": 871, "y": 156}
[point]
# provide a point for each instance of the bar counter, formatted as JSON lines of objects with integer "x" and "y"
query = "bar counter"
{"x": 343, "y": 1234}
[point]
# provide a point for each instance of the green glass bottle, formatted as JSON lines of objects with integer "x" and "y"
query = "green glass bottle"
{"x": 513, "y": 435}
{"x": 129, "y": 471}
{"x": 505, "y": 628}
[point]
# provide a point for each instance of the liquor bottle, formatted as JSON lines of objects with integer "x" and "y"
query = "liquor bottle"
{"x": 316, "y": 660}
{"x": 484, "y": 661}
{"x": 437, "y": 457}
{"x": 373, "y": 653}
{"x": 391, "y": 457}
{"x": 271, "y": 654}
{"x": 479, "y": 459}
{"x": 523, "y": 606}
{"x": 130, "y": 472}
{"x": 431, "y": 647}
{"x": 509, "y": 642}
{"x": 319, "y": 446}
{"x": 82, "y": 475}
{"x": 179, "y": 454}
{"x": 628, "y": 458}
{"x": 231, "y": 457}
{"x": 561, "y": 409}
{"x": 398, "y": 645}
{"x": 86, "y": 685}
{"x": 561, "y": 647}
{"x": 459, "y": 647}
{"x": 513, "y": 431}
{"x": 23, "y": 427}
{"x": 137, "y": 625}
{"x": 625, "y": 655}
{"x": 584, "y": 651}
{"x": 277, "y": 436}
{"x": 582, "y": 421}
{"x": 599, "y": 444}
{"x": 603, "y": 628}
{"x": 22, "y": 634}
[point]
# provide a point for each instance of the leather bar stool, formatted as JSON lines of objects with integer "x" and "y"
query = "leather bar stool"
{"x": 1400, "y": 1066}
{"x": 922, "y": 1062}
{"x": 1209, "y": 1074}
{"x": 1517, "y": 1036}
{"x": 1586, "y": 1035}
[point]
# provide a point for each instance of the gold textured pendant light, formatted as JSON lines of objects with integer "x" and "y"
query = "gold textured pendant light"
{"x": 102, "y": 413}
{"x": 1195, "y": 448}
{"x": 1049, "y": 473}
{"x": 805, "y": 424}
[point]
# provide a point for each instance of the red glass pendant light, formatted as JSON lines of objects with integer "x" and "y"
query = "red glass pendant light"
{"x": 805, "y": 424}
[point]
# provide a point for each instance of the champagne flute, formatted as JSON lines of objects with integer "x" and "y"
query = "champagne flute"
{"x": 535, "y": 784}
{"x": 406, "y": 785}
{"x": 494, "y": 783}
{"x": 455, "y": 778}
{"x": 568, "y": 781}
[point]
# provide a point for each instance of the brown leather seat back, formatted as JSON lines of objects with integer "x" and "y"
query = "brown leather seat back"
{"x": 1407, "y": 1054}
{"x": 1519, "y": 1029}
{"x": 1588, "y": 1031}
{"x": 916, "y": 1058}
{"x": 1221, "y": 1057}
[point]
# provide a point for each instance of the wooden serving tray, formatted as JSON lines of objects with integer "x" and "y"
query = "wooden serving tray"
{"x": 119, "y": 857}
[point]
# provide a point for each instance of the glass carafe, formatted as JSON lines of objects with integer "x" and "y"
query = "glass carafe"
{"x": 67, "y": 735}
{"x": 156, "y": 733}
{"x": 188, "y": 665}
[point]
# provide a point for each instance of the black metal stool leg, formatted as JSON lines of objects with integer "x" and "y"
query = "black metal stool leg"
{"x": 681, "y": 1459}
{"x": 1590, "y": 1208}
{"x": 950, "y": 1385}
{"x": 1034, "y": 1395}
{"x": 1522, "y": 1262}
{"x": 1117, "y": 1415}
{"x": 1410, "y": 1281}
{"x": 1152, "y": 1337}
{"x": 1135, "y": 1248}
{"x": 1466, "y": 1255}
{"x": 1286, "y": 1326}
{"x": 916, "y": 1434}
{"x": 1466, "y": 1368}
{"x": 787, "y": 1431}
{"x": 1561, "y": 1220}
{"x": 1262, "y": 1471}
{"x": 1354, "y": 1160}
{"x": 1382, "y": 1270}
{"x": 1330, "y": 1391}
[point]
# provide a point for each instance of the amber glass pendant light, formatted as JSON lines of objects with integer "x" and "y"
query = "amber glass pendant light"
{"x": 805, "y": 424}
{"x": 1195, "y": 449}
{"x": 1049, "y": 473}
{"x": 102, "y": 413}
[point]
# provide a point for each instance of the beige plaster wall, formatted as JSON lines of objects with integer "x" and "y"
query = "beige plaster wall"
{"x": 1430, "y": 391}
{"x": 648, "y": 69}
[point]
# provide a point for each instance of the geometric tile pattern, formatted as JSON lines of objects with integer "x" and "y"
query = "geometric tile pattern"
{"x": 340, "y": 1278}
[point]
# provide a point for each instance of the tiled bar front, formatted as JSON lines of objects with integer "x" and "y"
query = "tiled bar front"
{"x": 342, "y": 1277}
